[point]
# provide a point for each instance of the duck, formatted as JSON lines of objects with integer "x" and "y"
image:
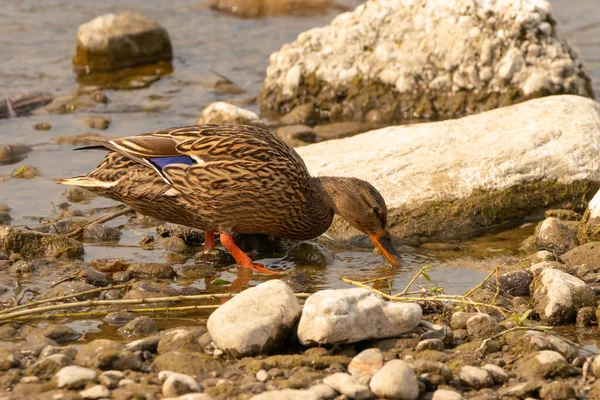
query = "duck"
{"x": 232, "y": 179}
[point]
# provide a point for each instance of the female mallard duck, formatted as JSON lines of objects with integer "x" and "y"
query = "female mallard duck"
{"x": 232, "y": 179}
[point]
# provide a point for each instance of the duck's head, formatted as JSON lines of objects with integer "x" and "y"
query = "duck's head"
{"x": 359, "y": 203}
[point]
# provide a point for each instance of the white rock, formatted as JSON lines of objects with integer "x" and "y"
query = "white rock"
{"x": 589, "y": 229}
{"x": 596, "y": 367}
{"x": 557, "y": 296}
{"x": 365, "y": 364}
{"x": 222, "y": 113}
{"x": 476, "y": 377}
{"x": 323, "y": 391}
{"x": 348, "y": 386}
{"x": 451, "y": 160}
{"x": 557, "y": 235}
{"x": 255, "y": 321}
{"x": 442, "y": 394}
{"x": 498, "y": 373}
{"x": 193, "y": 396}
{"x": 352, "y": 315}
{"x": 95, "y": 392}
{"x": 363, "y": 50}
{"x": 286, "y": 394}
{"x": 262, "y": 376}
{"x": 175, "y": 384}
{"x": 395, "y": 380}
{"x": 73, "y": 376}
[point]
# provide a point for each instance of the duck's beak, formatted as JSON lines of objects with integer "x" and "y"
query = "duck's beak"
{"x": 383, "y": 242}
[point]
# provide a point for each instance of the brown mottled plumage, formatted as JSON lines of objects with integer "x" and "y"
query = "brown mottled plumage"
{"x": 231, "y": 179}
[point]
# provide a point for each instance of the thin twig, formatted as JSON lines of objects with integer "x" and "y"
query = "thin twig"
{"x": 61, "y": 298}
{"x": 414, "y": 278}
{"x": 470, "y": 292}
{"x": 94, "y": 303}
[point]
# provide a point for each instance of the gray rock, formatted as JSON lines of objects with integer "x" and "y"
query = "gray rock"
{"x": 365, "y": 364}
{"x": 174, "y": 384}
{"x": 358, "y": 54}
{"x": 348, "y": 386}
{"x": 151, "y": 270}
{"x": 482, "y": 326}
{"x": 257, "y": 320}
{"x": 544, "y": 364}
{"x": 459, "y": 319}
{"x": 106, "y": 355}
{"x": 323, "y": 391}
{"x": 557, "y": 391}
{"x": 429, "y": 181}
{"x": 443, "y": 394}
{"x": 181, "y": 340}
{"x": 539, "y": 267}
{"x": 557, "y": 296}
{"x": 589, "y": 228}
{"x": 498, "y": 373}
{"x": 111, "y": 378}
{"x": 95, "y": 392}
{"x": 395, "y": 380}
{"x": 149, "y": 343}
{"x": 286, "y": 394}
{"x": 75, "y": 194}
{"x": 31, "y": 244}
{"x": 222, "y": 113}
{"x": 101, "y": 233}
{"x": 74, "y": 377}
{"x": 544, "y": 341}
{"x": 46, "y": 367}
{"x": 433, "y": 368}
{"x": 476, "y": 377}
{"x": 431, "y": 344}
{"x": 139, "y": 326}
{"x": 516, "y": 283}
{"x": 111, "y": 42}
{"x": 557, "y": 235}
{"x": 352, "y": 315}
{"x": 520, "y": 390}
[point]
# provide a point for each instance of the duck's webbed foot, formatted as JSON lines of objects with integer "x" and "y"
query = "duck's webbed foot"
{"x": 242, "y": 258}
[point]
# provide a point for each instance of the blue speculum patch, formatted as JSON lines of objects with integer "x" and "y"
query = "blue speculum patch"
{"x": 162, "y": 162}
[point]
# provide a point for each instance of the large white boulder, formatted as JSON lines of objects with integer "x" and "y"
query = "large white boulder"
{"x": 448, "y": 179}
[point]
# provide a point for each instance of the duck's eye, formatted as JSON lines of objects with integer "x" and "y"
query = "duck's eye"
{"x": 376, "y": 210}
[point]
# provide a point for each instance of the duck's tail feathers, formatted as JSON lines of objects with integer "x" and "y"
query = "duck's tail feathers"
{"x": 86, "y": 182}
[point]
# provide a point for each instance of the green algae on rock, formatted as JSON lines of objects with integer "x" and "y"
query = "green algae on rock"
{"x": 31, "y": 244}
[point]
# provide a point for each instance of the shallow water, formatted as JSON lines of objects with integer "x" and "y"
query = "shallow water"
{"x": 37, "y": 41}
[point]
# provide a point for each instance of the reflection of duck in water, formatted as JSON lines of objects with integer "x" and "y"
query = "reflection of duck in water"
{"x": 232, "y": 179}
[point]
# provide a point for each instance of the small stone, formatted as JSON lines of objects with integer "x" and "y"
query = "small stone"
{"x": 101, "y": 233}
{"x": 520, "y": 390}
{"x": 596, "y": 367}
{"x": 60, "y": 333}
{"x": 352, "y": 315}
{"x": 476, "y": 377}
{"x": 430, "y": 344}
{"x": 557, "y": 391}
{"x": 95, "y": 392}
{"x": 151, "y": 270}
{"x": 149, "y": 343}
{"x": 74, "y": 377}
{"x": 257, "y": 320}
{"x": 482, "y": 326}
{"x": 119, "y": 317}
{"x": 537, "y": 268}
{"x": 544, "y": 364}
{"x": 46, "y": 367}
{"x": 323, "y": 391}
{"x": 395, "y": 380}
{"x": 98, "y": 122}
{"x": 31, "y": 244}
{"x": 348, "y": 386}
{"x": 139, "y": 326}
{"x": 262, "y": 376}
{"x": 365, "y": 365}
{"x": 498, "y": 373}
{"x": 175, "y": 384}
{"x": 107, "y": 354}
{"x": 75, "y": 194}
{"x": 557, "y": 235}
{"x": 443, "y": 394}
{"x": 557, "y": 296}
{"x": 111, "y": 378}
{"x": 301, "y": 114}
{"x": 42, "y": 126}
{"x": 222, "y": 113}
{"x": 516, "y": 283}
{"x": 585, "y": 317}
{"x": 459, "y": 320}
{"x": 180, "y": 340}
{"x": 286, "y": 394}
{"x": 13, "y": 153}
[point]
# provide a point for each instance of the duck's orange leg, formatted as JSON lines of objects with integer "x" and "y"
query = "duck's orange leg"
{"x": 242, "y": 258}
{"x": 209, "y": 240}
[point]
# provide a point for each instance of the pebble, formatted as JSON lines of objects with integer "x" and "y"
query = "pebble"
{"x": 286, "y": 394}
{"x": 482, "y": 326}
{"x": 139, "y": 326}
{"x": 348, "y": 386}
{"x": 476, "y": 377}
{"x": 365, "y": 365}
{"x": 95, "y": 392}
{"x": 557, "y": 391}
{"x": 74, "y": 377}
{"x": 180, "y": 340}
{"x": 459, "y": 320}
{"x": 42, "y": 126}
{"x": 443, "y": 394}
{"x": 175, "y": 384}
{"x": 111, "y": 378}
{"x": 395, "y": 380}
{"x": 596, "y": 367}
{"x": 98, "y": 122}
{"x": 323, "y": 391}
{"x": 544, "y": 364}
{"x": 430, "y": 344}
{"x": 498, "y": 373}
{"x": 149, "y": 343}
{"x": 262, "y": 376}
